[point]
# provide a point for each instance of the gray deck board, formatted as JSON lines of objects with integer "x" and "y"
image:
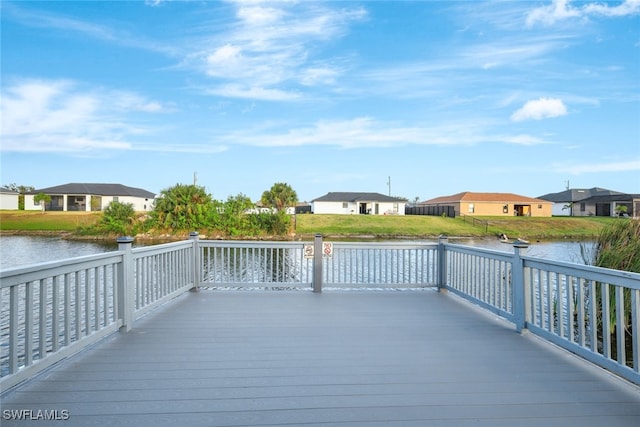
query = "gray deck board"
{"x": 333, "y": 359}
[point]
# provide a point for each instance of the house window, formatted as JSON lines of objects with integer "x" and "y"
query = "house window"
{"x": 115, "y": 198}
{"x": 583, "y": 207}
{"x": 471, "y": 208}
{"x": 345, "y": 205}
{"x": 539, "y": 206}
{"x": 505, "y": 209}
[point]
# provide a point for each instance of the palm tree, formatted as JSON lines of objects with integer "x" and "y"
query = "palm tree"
{"x": 280, "y": 196}
{"x": 43, "y": 199}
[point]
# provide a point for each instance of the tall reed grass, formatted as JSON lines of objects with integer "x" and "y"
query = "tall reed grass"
{"x": 618, "y": 247}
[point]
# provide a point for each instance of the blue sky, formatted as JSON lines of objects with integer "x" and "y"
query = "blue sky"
{"x": 439, "y": 96}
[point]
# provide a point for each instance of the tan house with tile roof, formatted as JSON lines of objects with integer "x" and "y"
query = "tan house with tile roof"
{"x": 493, "y": 204}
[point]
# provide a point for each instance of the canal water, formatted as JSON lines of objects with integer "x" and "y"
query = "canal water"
{"x": 18, "y": 251}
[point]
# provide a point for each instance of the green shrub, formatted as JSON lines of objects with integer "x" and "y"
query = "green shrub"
{"x": 182, "y": 207}
{"x": 119, "y": 218}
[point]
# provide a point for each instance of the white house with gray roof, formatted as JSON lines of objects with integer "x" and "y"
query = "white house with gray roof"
{"x": 8, "y": 199}
{"x": 592, "y": 202}
{"x": 358, "y": 204}
{"x": 90, "y": 197}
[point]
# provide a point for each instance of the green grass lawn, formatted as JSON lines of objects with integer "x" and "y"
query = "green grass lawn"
{"x": 32, "y": 221}
{"x": 547, "y": 228}
{"x": 384, "y": 226}
{"x": 432, "y": 226}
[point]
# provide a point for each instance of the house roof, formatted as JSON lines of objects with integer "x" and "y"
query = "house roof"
{"x": 4, "y": 190}
{"x": 97, "y": 190}
{"x": 621, "y": 197}
{"x": 470, "y": 197}
{"x": 578, "y": 194}
{"x": 356, "y": 197}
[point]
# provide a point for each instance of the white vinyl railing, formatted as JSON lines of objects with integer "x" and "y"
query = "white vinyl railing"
{"x": 593, "y": 312}
{"x": 589, "y": 310}
{"x": 381, "y": 265}
{"x": 52, "y": 310}
{"x": 241, "y": 264}
{"x": 286, "y": 265}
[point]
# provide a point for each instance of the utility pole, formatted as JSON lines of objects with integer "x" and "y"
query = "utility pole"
{"x": 195, "y": 178}
{"x": 389, "y": 185}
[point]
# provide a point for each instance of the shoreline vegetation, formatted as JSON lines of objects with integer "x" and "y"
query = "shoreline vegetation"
{"x": 82, "y": 226}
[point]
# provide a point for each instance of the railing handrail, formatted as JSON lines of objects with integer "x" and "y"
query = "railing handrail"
{"x": 559, "y": 301}
{"x": 55, "y": 309}
{"x": 501, "y": 255}
{"x": 500, "y": 281}
{"x": 384, "y": 245}
{"x": 625, "y": 278}
{"x": 34, "y": 272}
{"x": 146, "y": 250}
{"x": 250, "y": 243}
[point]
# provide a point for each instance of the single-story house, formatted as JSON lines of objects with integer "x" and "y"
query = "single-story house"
{"x": 8, "y": 199}
{"x": 592, "y": 202}
{"x": 303, "y": 208}
{"x": 90, "y": 197}
{"x": 358, "y": 204}
{"x": 492, "y": 204}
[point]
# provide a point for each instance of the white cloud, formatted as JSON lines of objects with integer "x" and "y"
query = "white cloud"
{"x": 318, "y": 75}
{"x": 265, "y": 53}
{"x": 61, "y": 116}
{"x": 253, "y": 92}
{"x": 543, "y": 108}
{"x": 181, "y": 148}
{"x": 627, "y": 7}
{"x": 561, "y": 10}
{"x": 258, "y": 15}
{"x": 32, "y": 17}
{"x": 364, "y": 132}
{"x": 547, "y": 15}
{"x": 523, "y": 140}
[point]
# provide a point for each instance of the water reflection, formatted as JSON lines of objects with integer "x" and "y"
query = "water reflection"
{"x": 17, "y": 251}
{"x": 565, "y": 251}
{"x": 23, "y": 250}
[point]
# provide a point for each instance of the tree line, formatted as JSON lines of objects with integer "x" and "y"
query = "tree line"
{"x": 184, "y": 208}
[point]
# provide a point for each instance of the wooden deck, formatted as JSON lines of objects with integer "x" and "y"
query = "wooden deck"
{"x": 410, "y": 358}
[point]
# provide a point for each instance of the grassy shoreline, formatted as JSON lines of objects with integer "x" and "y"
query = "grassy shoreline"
{"x": 67, "y": 224}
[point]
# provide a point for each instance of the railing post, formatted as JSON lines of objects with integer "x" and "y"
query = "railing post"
{"x": 442, "y": 263}
{"x": 520, "y": 292}
{"x": 125, "y": 284}
{"x": 317, "y": 264}
{"x": 196, "y": 270}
